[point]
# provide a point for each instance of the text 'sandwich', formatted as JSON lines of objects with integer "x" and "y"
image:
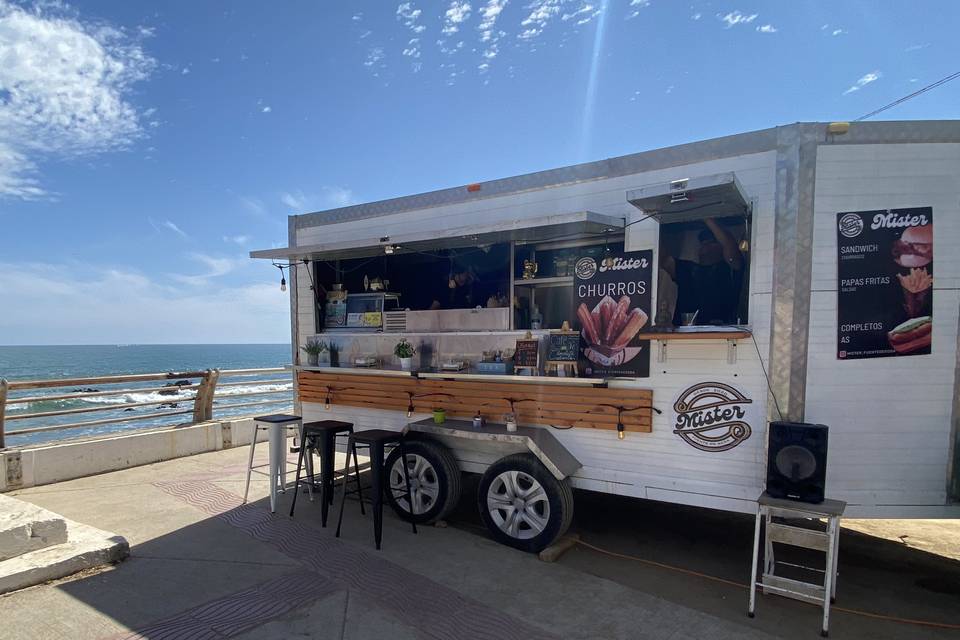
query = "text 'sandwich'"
{"x": 915, "y": 247}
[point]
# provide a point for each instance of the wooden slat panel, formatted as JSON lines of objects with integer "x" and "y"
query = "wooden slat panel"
{"x": 556, "y": 405}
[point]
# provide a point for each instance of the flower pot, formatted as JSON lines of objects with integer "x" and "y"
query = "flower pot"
{"x": 439, "y": 416}
{"x": 406, "y": 363}
{"x": 323, "y": 359}
{"x": 312, "y": 359}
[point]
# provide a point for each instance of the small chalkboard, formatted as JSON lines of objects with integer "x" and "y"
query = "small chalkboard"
{"x": 527, "y": 353}
{"x": 564, "y": 347}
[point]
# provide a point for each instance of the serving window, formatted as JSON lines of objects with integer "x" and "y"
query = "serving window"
{"x": 704, "y": 272}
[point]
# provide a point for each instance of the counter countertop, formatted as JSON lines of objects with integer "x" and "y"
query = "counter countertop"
{"x": 433, "y": 374}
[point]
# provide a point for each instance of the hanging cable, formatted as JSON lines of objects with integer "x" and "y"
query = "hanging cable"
{"x": 934, "y": 85}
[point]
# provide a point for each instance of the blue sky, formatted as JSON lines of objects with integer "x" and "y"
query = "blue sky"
{"x": 145, "y": 148}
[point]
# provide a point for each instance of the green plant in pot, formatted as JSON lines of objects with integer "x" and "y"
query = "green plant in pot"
{"x": 405, "y": 351}
{"x": 315, "y": 348}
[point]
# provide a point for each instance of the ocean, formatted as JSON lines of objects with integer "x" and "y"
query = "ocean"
{"x": 79, "y": 361}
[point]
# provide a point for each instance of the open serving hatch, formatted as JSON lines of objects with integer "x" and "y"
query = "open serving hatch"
{"x": 687, "y": 199}
{"x": 565, "y": 226}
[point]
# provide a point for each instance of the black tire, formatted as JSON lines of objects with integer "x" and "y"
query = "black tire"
{"x": 436, "y": 466}
{"x": 544, "y": 519}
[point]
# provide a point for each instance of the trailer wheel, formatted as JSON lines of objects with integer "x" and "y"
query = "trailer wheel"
{"x": 434, "y": 481}
{"x": 522, "y": 504}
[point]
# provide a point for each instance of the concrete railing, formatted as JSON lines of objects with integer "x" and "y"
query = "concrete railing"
{"x": 207, "y": 384}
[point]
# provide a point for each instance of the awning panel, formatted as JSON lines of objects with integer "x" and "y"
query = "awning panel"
{"x": 564, "y": 226}
{"x": 691, "y": 198}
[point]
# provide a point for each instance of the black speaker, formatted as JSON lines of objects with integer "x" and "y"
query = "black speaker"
{"x": 797, "y": 461}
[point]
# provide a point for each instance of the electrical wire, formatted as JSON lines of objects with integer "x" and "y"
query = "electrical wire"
{"x": 740, "y": 585}
{"x": 934, "y": 85}
{"x": 762, "y": 366}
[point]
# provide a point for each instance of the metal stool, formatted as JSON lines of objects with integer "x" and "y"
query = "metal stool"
{"x": 320, "y": 437}
{"x": 274, "y": 424}
{"x": 376, "y": 440}
{"x": 825, "y": 539}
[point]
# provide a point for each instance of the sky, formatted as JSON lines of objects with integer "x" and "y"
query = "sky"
{"x": 146, "y": 148}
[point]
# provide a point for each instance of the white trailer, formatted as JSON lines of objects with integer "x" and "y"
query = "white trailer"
{"x": 894, "y": 421}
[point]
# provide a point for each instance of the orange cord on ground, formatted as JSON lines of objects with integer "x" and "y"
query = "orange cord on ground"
{"x": 740, "y": 585}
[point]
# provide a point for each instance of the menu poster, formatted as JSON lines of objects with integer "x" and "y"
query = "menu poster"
{"x": 885, "y": 283}
{"x": 612, "y": 300}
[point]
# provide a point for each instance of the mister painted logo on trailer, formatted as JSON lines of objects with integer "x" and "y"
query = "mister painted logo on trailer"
{"x": 712, "y": 416}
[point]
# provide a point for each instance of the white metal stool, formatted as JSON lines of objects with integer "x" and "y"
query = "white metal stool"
{"x": 825, "y": 539}
{"x": 277, "y": 425}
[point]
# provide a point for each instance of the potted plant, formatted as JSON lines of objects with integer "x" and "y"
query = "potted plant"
{"x": 405, "y": 351}
{"x": 313, "y": 348}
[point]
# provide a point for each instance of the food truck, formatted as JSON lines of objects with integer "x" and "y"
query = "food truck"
{"x": 633, "y": 325}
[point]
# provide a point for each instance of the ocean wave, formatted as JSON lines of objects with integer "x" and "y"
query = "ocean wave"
{"x": 185, "y": 395}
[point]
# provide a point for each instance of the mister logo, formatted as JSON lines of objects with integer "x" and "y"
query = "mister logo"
{"x": 712, "y": 416}
{"x": 586, "y": 268}
{"x": 851, "y": 225}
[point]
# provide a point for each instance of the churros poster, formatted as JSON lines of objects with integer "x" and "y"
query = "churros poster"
{"x": 612, "y": 299}
{"x": 885, "y": 283}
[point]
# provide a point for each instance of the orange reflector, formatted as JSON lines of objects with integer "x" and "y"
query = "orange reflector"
{"x": 473, "y": 187}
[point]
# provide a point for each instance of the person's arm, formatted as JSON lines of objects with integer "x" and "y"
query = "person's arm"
{"x": 668, "y": 264}
{"x": 731, "y": 252}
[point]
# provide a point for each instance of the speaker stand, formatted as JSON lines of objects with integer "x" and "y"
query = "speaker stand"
{"x": 812, "y": 535}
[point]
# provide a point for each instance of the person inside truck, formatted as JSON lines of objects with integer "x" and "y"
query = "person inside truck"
{"x": 709, "y": 287}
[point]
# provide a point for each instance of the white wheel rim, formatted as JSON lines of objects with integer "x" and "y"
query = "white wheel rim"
{"x": 424, "y": 484}
{"x": 518, "y": 505}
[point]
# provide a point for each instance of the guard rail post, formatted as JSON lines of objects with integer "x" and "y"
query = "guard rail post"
{"x": 203, "y": 403}
{"x": 4, "y": 388}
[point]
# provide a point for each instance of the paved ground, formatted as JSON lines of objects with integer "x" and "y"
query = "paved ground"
{"x": 205, "y": 566}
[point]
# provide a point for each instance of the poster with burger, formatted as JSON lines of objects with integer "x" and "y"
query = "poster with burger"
{"x": 612, "y": 307}
{"x": 885, "y": 283}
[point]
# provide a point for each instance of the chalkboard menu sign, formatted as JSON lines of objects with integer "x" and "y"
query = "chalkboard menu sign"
{"x": 885, "y": 283}
{"x": 564, "y": 347}
{"x": 612, "y": 306}
{"x": 527, "y": 353}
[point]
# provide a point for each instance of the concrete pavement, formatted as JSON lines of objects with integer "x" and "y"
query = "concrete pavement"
{"x": 204, "y": 566}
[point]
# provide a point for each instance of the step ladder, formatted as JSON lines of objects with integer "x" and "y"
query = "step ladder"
{"x": 811, "y": 535}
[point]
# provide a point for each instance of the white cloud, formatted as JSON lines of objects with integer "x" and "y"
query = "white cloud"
{"x": 864, "y": 80}
{"x": 412, "y": 49}
{"x": 409, "y": 16}
{"x": 457, "y": 13}
{"x": 696, "y": 16}
{"x": 767, "y": 28}
{"x": 173, "y": 227}
{"x": 838, "y": 32}
{"x": 735, "y": 17}
{"x": 488, "y": 19}
{"x": 65, "y": 91}
{"x": 240, "y": 240}
{"x": 330, "y": 197}
{"x": 357, "y": 17}
{"x": 254, "y": 206}
{"x": 266, "y": 109}
{"x": 637, "y": 6}
{"x": 215, "y": 267}
{"x": 374, "y": 55}
{"x": 110, "y": 305}
{"x": 916, "y": 47}
{"x": 185, "y": 71}
{"x": 541, "y": 12}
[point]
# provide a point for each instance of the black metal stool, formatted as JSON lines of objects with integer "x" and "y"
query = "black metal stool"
{"x": 375, "y": 439}
{"x": 321, "y": 437}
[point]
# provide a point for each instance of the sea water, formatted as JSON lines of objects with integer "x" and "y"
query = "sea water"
{"x": 87, "y": 361}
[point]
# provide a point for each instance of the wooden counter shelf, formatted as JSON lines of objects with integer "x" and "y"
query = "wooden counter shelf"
{"x": 559, "y": 405}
